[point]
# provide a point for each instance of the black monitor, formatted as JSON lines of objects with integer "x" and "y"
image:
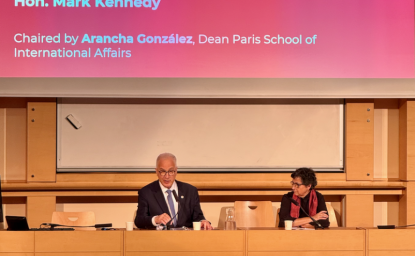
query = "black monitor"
{"x": 1, "y": 208}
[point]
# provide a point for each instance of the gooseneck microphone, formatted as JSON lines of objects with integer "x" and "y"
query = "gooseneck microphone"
{"x": 175, "y": 196}
{"x": 297, "y": 204}
{"x": 53, "y": 225}
{"x": 169, "y": 224}
{"x": 393, "y": 226}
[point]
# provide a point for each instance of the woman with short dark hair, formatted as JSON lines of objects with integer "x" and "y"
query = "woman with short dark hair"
{"x": 303, "y": 185}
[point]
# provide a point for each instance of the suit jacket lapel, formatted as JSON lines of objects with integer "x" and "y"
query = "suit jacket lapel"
{"x": 158, "y": 194}
{"x": 181, "y": 196}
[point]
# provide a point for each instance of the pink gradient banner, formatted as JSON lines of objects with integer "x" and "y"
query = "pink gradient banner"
{"x": 207, "y": 38}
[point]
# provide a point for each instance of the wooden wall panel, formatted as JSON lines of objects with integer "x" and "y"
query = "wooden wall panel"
{"x": 403, "y": 109}
{"x": 393, "y": 143}
{"x": 403, "y": 205}
{"x": 410, "y": 203}
{"x": 359, "y": 210}
{"x": 2, "y": 142}
{"x": 407, "y": 140}
{"x": 407, "y": 161}
{"x": 380, "y": 168}
{"x": 41, "y": 141}
{"x": 407, "y": 205}
{"x": 13, "y": 139}
{"x": 410, "y": 140}
{"x": 386, "y": 147}
{"x": 359, "y": 141}
{"x": 39, "y": 209}
{"x": 393, "y": 213}
{"x": 16, "y": 144}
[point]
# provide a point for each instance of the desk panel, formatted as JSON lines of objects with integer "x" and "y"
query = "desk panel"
{"x": 79, "y": 254}
{"x": 316, "y": 253}
{"x": 185, "y": 253}
{"x": 17, "y": 242}
{"x": 386, "y": 242}
{"x": 278, "y": 240}
{"x": 16, "y": 254}
{"x": 391, "y": 239}
{"x": 210, "y": 242}
{"x": 391, "y": 253}
{"x": 79, "y": 242}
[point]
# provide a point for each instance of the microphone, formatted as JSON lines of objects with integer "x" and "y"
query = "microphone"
{"x": 53, "y": 225}
{"x": 297, "y": 204}
{"x": 103, "y": 225}
{"x": 179, "y": 208}
{"x": 176, "y": 197}
{"x": 393, "y": 226}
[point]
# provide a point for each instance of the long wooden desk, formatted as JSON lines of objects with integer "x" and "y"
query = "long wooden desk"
{"x": 244, "y": 242}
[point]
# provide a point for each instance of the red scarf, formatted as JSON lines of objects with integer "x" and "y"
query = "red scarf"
{"x": 312, "y": 205}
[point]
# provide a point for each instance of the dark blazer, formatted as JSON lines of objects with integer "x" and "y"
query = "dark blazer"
{"x": 151, "y": 202}
{"x": 286, "y": 208}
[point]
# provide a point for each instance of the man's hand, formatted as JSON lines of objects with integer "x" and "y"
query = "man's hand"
{"x": 206, "y": 225}
{"x": 162, "y": 219}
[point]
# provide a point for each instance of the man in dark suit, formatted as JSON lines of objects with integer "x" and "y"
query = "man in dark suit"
{"x": 156, "y": 202}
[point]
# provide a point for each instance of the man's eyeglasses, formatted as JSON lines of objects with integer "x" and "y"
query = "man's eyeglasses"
{"x": 163, "y": 173}
{"x": 297, "y": 185}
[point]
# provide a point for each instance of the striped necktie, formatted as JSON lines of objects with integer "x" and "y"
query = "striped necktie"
{"x": 171, "y": 204}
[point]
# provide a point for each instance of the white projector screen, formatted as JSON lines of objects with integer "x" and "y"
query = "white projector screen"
{"x": 128, "y": 135}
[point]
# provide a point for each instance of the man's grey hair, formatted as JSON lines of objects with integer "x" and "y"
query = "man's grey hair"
{"x": 166, "y": 155}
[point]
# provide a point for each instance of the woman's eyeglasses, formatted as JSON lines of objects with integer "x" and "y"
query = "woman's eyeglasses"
{"x": 297, "y": 185}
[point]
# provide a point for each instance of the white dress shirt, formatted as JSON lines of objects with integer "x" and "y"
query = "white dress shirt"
{"x": 176, "y": 205}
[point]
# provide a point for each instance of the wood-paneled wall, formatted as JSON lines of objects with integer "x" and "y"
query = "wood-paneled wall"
{"x": 23, "y": 141}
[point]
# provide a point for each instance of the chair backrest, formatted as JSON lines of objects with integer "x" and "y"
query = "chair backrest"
{"x": 254, "y": 214}
{"x": 277, "y": 221}
{"x": 330, "y": 210}
{"x": 332, "y": 215}
{"x": 74, "y": 218}
{"x": 134, "y": 215}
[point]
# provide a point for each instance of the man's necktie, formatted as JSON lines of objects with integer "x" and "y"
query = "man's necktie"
{"x": 171, "y": 204}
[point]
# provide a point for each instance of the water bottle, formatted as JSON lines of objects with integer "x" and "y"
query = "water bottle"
{"x": 230, "y": 222}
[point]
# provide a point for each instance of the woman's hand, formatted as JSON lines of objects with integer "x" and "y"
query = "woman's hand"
{"x": 321, "y": 215}
{"x": 307, "y": 226}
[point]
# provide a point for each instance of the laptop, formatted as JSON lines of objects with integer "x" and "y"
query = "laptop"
{"x": 17, "y": 223}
